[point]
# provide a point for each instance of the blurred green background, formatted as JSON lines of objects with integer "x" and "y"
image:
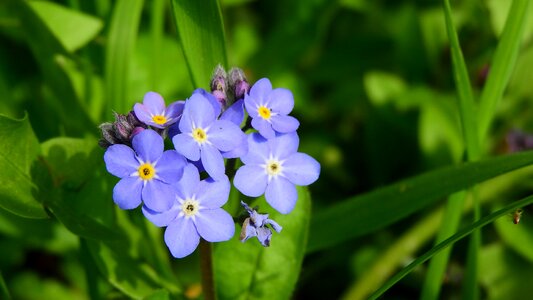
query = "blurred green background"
{"x": 374, "y": 92}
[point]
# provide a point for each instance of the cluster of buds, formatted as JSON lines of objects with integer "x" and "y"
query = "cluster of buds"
{"x": 121, "y": 131}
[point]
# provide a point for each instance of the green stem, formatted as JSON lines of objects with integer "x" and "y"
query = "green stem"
{"x": 206, "y": 265}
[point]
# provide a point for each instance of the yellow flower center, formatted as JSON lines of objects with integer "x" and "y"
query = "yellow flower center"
{"x": 273, "y": 168}
{"x": 146, "y": 171}
{"x": 264, "y": 112}
{"x": 199, "y": 135}
{"x": 190, "y": 207}
{"x": 159, "y": 120}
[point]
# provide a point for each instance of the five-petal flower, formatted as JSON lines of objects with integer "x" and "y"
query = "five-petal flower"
{"x": 154, "y": 113}
{"x": 146, "y": 172}
{"x": 269, "y": 109}
{"x": 256, "y": 225}
{"x": 273, "y": 167}
{"x": 196, "y": 213}
{"x": 203, "y": 137}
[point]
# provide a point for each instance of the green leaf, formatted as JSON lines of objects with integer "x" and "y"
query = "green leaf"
{"x": 134, "y": 278}
{"x": 72, "y": 186}
{"x": 368, "y": 212}
{"x": 72, "y": 28}
{"x": 451, "y": 240}
{"x": 119, "y": 51}
{"x": 503, "y": 63}
{"x": 503, "y": 274}
{"x": 159, "y": 295}
{"x": 518, "y": 237}
{"x": 4, "y": 292}
{"x": 201, "y": 33}
{"x": 250, "y": 271}
{"x": 464, "y": 89}
{"x": 18, "y": 150}
{"x": 51, "y": 55}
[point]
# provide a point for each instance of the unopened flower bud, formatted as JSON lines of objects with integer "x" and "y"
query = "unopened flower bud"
{"x": 121, "y": 131}
{"x": 219, "y": 86}
{"x": 238, "y": 83}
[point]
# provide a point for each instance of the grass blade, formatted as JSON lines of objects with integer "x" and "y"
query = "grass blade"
{"x": 368, "y": 212}
{"x": 503, "y": 63}
{"x": 119, "y": 52}
{"x": 201, "y": 33}
{"x": 453, "y": 239}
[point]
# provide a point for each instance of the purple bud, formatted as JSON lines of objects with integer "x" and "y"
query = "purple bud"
{"x": 121, "y": 131}
{"x": 238, "y": 83}
{"x": 221, "y": 98}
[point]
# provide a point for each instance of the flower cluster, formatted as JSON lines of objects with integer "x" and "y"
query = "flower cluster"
{"x": 206, "y": 129}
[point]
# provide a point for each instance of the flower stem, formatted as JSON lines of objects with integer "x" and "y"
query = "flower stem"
{"x": 206, "y": 265}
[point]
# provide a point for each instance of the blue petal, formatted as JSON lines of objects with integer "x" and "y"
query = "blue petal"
{"x": 158, "y": 196}
{"x": 215, "y": 225}
{"x": 213, "y": 162}
{"x": 281, "y": 195}
{"x": 247, "y": 231}
{"x": 301, "y": 169}
{"x": 224, "y": 135}
{"x": 281, "y": 101}
{"x": 181, "y": 237}
{"x": 239, "y": 151}
{"x": 161, "y": 219}
{"x": 251, "y": 180}
{"x": 260, "y": 90}
{"x": 169, "y": 167}
{"x": 189, "y": 181}
{"x": 174, "y": 129}
{"x": 186, "y": 122}
{"x": 154, "y": 103}
{"x": 284, "y": 145}
{"x": 201, "y": 111}
{"x": 234, "y": 113}
{"x": 284, "y": 124}
{"x": 148, "y": 145}
{"x": 263, "y": 235}
{"x": 127, "y": 192}
{"x": 274, "y": 225}
{"x": 142, "y": 113}
{"x": 213, "y": 194}
{"x": 258, "y": 150}
{"x": 120, "y": 160}
{"x": 174, "y": 111}
{"x": 212, "y": 100}
{"x": 264, "y": 127}
{"x": 251, "y": 105}
{"x": 187, "y": 146}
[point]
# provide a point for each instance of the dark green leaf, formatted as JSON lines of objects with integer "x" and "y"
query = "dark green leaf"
{"x": 250, "y": 271}
{"x": 368, "y": 212}
{"x": 201, "y": 34}
{"x": 18, "y": 150}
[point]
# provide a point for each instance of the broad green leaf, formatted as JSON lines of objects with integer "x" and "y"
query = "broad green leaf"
{"x": 503, "y": 63}
{"x": 119, "y": 50}
{"x": 368, "y": 212}
{"x": 159, "y": 295}
{"x": 133, "y": 277}
{"x": 50, "y": 55}
{"x": 503, "y": 274}
{"x": 18, "y": 150}
{"x": 72, "y": 187}
{"x": 201, "y": 33}
{"x": 250, "y": 271}
{"x": 450, "y": 241}
{"x": 72, "y": 28}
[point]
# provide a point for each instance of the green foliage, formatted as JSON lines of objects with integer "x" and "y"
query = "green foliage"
{"x": 18, "y": 150}
{"x": 250, "y": 271}
{"x": 201, "y": 34}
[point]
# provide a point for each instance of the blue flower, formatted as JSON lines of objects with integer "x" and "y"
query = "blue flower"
{"x": 256, "y": 225}
{"x": 153, "y": 112}
{"x": 269, "y": 109}
{"x": 273, "y": 167}
{"x": 195, "y": 213}
{"x": 203, "y": 137}
{"x": 146, "y": 172}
